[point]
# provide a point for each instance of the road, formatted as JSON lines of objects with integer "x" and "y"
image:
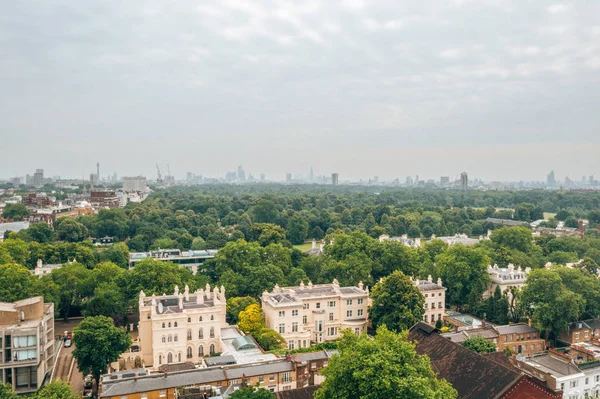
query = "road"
{"x": 66, "y": 366}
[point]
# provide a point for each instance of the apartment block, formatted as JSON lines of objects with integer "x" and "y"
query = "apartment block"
{"x": 26, "y": 343}
{"x": 315, "y": 313}
{"x": 435, "y": 299}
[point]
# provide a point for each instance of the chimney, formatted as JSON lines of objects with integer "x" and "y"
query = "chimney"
{"x": 314, "y": 244}
{"x": 180, "y": 302}
{"x": 200, "y": 297}
{"x": 418, "y": 242}
{"x": 176, "y": 290}
{"x": 186, "y": 293}
{"x": 39, "y": 264}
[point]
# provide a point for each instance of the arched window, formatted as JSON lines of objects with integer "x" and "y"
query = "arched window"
{"x": 200, "y": 318}
{"x": 164, "y": 339}
{"x": 189, "y": 319}
{"x": 212, "y": 316}
{"x": 179, "y": 357}
{"x": 175, "y": 338}
{"x": 163, "y": 325}
{"x": 212, "y": 332}
{"x": 189, "y": 335}
{"x": 170, "y": 339}
{"x": 170, "y": 358}
{"x": 159, "y": 360}
{"x": 212, "y": 349}
{"x": 175, "y": 324}
{"x": 169, "y": 324}
{"x": 201, "y": 351}
{"x": 189, "y": 352}
{"x": 201, "y": 333}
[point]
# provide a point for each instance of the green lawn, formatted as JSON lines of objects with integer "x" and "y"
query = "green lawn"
{"x": 304, "y": 247}
{"x": 548, "y": 215}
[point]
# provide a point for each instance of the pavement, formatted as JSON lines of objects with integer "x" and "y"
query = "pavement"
{"x": 66, "y": 366}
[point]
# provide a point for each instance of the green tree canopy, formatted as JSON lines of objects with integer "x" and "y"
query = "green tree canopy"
{"x": 397, "y": 302}
{"x": 252, "y": 393}
{"x": 237, "y": 304}
{"x": 97, "y": 344}
{"x": 479, "y": 344}
{"x": 6, "y": 392}
{"x": 383, "y": 367}
{"x": 17, "y": 283}
{"x": 55, "y": 390}
{"x": 16, "y": 211}
{"x": 71, "y": 230}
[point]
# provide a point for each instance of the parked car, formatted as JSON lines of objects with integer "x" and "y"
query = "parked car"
{"x": 88, "y": 382}
{"x": 68, "y": 343}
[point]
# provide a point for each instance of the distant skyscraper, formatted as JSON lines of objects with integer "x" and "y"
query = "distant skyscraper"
{"x": 189, "y": 176}
{"x": 241, "y": 175}
{"x": 98, "y": 171}
{"x": 38, "y": 178}
{"x": 334, "y": 179}
{"x": 311, "y": 176}
{"x": 550, "y": 179}
{"x": 288, "y": 177}
{"x": 444, "y": 180}
{"x": 262, "y": 177}
{"x": 464, "y": 181}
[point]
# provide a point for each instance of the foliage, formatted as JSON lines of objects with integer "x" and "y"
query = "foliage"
{"x": 70, "y": 230}
{"x": 17, "y": 283}
{"x": 251, "y": 319}
{"x": 397, "y": 303}
{"x": 6, "y": 392}
{"x": 479, "y": 344}
{"x": 97, "y": 344}
{"x": 252, "y": 393}
{"x": 237, "y": 304}
{"x": 16, "y": 211}
{"x": 56, "y": 390}
{"x": 385, "y": 367}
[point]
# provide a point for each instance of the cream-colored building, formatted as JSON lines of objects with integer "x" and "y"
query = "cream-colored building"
{"x": 26, "y": 343}
{"x": 506, "y": 278}
{"x": 183, "y": 327}
{"x": 435, "y": 299}
{"x": 315, "y": 313}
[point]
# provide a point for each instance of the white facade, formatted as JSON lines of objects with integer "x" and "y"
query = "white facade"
{"x": 506, "y": 278}
{"x": 435, "y": 299}
{"x": 183, "y": 327}
{"x": 315, "y": 313}
{"x": 137, "y": 183}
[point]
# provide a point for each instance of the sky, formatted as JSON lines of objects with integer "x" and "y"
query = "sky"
{"x": 504, "y": 90}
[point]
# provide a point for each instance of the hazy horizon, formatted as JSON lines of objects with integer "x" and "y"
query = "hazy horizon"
{"x": 504, "y": 90}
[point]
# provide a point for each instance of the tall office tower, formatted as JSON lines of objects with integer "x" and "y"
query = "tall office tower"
{"x": 550, "y": 179}
{"x": 334, "y": 179}
{"x": 464, "y": 181}
{"x": 98, "y": 172}
{"x": 444, "y": 180}
{"x": 241, "y": 175}
{"x": 38, "y": 178}
{"x": 311, "y": 176}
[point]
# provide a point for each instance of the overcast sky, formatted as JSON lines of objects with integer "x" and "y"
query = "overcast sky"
{"x": 500, "y": 89}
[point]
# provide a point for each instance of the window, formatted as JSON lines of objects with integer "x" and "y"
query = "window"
{"x": 587, "y": 380}
{"x": 573, "y": 384}
{"x": 576, "y": 335}
{"x": 282, "y": 313}
{"x": 189, "y": 335}
{"x": 287, "y": 377}
{"x": 212, "y": 332}
{"x": 332, "y": 331}
{"x": 562, "y": 386}
{"x": 281, "y": 328}
{"x": 189, "y": 352}
{"x": 597, "y": 378}
{"x": 170, "y": 339}
{"x": 319, "y": 326}
{"x": 201, "y": 333}
{"x": 330, "y": 316}
{"x": 331, "y": 304}
{"x": 426, "y": 305}
{"x": 200, "y": 318}
{"x": 439, "y": 305}
{"x": 318, "y": 306}
{"x": 357, "y": 331}
{"x": 440, "y": 294}
{"x": 164, "y": 339}
{"x": 170, "y": 358}
{"x": 426, "y": 295}
{"x": 360, "y": 301}
{"x": 306, "y": 306}
{"x": 169, "y": 324}
{"x": 433, "y": 305}
{"x": 359, "y": 312}
{"x": 201, "y": 351}
{"x": 349, "y": 302}
{"x": 212, "y": 317}
{"x": 175, "y": 324}
{"x": 295, "y": 326}
{"x": 212, "y": 349}
{"x": 159, "y": 360}
{"x": 305, "y": 319}
{"x": 271, "y": 378}
{"x": 163, "y": 325}
{"x": 295, "y": 312}
{"x": 291, "y": 345}
{"x": 348, "y": 313}
{"x": 162, "y": 394}
{"x": 261, "y": 379}
{"x": 425, "y": 318}
{"x": 439, "y": 316}
{"x": 189, "y": 319}
{"x": 179, "y": 357}
{"x": 175, "y": 338}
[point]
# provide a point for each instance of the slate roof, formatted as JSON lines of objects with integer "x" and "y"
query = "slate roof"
{"x": 300, "y": 393}
{"x": 472, "y": 375}
{"x": 516, "y": 329}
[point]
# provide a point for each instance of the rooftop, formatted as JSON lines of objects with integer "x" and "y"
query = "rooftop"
{"x": 548, "y": 363}
{"x": 281, "y": 295}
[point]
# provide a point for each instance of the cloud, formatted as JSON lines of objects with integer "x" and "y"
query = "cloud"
{"x": 557, "y": 8}
{"x": 450, "y": 54}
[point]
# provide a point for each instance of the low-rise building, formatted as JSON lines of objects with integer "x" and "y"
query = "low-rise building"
{"x": 403, "y": 239}
{"x": 41, "y": 269}
{"x": 26, "y": 343}
{"x": 191, "y": 259}
{"x": 101, "y": 199}
{"x": 506, "y": 278}
{"x": 435, "y": 299}
{"x": 581, "y": 331}
{"x": 184, "y": 326}
{"x": 315, "y": 313}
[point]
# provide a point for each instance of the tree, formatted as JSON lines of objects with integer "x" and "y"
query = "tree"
{"x": 17, "y": 283}
{"x": 6, "y": 392}
{"x": 40, "y": 232}
{"x": 71, "y": 230}
{"x": 266, "y": 233}
{"x": 118, "y": 254}
{"x": 572, "y": 222}
{"x": 55, "y": 390}
{"x": 518, "y": 238}
{"x": 297, "y": 229}
{"x": 384, "y": 367}
{"x": 549, "y": 303}
{"x": 236, "y": 305}
{"x": 16, "y": 211}
{"x": 97, "y": 344}
{"x": 251, "y": 319}
{"x": 67, "y": 288}
{"x": 562, "y": 215}
{"x": 479, "y": 344}
{"x": 269, "y": 339}
{"x": 252, "y": 393}
{"x": 464, "y": 272}
{"x": 397, "y": 303}
{"x": 264, "y": 212}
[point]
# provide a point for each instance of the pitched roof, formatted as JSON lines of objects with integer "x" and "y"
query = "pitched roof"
{"x": 472, "y": 375}
{"x": 300, "y": 393}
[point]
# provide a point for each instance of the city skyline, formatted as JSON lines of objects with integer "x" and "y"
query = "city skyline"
{"x": 354, "y": 87}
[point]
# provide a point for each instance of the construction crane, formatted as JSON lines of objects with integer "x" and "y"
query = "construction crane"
{"x": 159, "y": 180}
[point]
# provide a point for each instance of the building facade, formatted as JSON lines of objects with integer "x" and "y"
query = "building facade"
{"x": 315, "y": 313}
{"x": 435, "y": 299}
{"x": 506, "y": 278}
{"x": 26, "y": 343}
{"x": 182, "y": 327}
{"x": 137, "y": 183}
